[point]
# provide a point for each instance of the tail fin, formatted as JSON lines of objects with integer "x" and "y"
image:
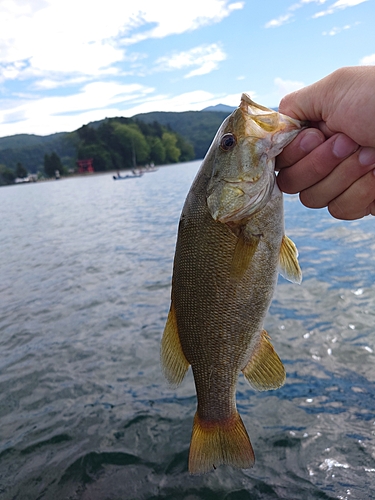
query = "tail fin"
{"x": 216, "y": 443}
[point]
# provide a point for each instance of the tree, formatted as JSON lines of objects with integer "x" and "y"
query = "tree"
{"x": 6, "y": 176}
{"x": 186, "y": 148}
{"x": 157, "y": 150}
{"x": 172, "y": 152}
{"x": 52, "y": 163}
{"x": 21, "y": 170}
{"x": 132, "y": 144}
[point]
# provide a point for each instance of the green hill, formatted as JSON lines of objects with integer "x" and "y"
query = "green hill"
{"x": 198, "y": 127}
{"x": 30, "y": 149}
{"x": 195, "y": 127}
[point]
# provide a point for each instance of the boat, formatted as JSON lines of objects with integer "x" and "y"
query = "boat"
{"x": 119, "y": 177}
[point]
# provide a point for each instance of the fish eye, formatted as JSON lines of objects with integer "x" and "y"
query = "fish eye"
{"x": 228, "y": 141}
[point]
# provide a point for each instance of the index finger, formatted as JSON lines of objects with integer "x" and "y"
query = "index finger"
{"x": 304, "y": 143}
{"x": 316, "y": 165}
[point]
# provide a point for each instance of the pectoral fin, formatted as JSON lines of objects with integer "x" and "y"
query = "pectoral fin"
{"x": 243, "y": 253}
{"x": 264, "y": 371}
{"x": 173, "y": 360}
{"x": 288, "y": 261}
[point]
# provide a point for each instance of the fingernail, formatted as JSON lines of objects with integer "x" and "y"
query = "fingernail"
{"x": 343, "y": 146}
{"x": 310, "y": 141}
{"x": 366, "y": 156}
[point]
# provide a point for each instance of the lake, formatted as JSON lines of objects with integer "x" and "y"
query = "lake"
{"x": 85, "y": 413}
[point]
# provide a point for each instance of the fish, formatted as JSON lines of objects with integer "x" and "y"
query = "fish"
{"x": 230, "y": 246}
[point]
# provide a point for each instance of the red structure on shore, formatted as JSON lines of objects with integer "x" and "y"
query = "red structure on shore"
{"x": 85, "y": 166}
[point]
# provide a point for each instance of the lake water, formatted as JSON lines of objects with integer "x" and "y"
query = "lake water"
{"x": 85, "y": 412}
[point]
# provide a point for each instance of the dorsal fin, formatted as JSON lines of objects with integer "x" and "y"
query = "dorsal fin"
{"x": 288, "y": 261}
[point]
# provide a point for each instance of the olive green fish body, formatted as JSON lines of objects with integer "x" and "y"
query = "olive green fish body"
{"x": 225, "y": 271}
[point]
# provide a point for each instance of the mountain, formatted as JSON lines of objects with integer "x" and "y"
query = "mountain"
{"x": 29, "y": 150}
{"x": 220, "y": 107}
{"x": 197, "y": 127}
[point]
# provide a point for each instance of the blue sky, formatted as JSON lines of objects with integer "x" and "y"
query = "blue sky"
{"x": 64, "y": 63}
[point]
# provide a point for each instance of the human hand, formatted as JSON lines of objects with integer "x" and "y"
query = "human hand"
{"x": 326, "y": 164}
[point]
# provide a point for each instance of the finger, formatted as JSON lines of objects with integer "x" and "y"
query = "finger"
{"x": 316, "y": 165}
{"x": 323, "y": 127}
{"x": 340, "y": 179}
{"x": 357, "y": 201}
{"x": 303, "y": 144}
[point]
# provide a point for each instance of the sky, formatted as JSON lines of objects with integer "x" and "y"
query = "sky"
{"x": 64, "y": 63}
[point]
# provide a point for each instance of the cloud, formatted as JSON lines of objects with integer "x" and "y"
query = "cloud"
{"x": 49, "y": 37}
{"x": 275, "y": 23}
{"x": 284, "y": 87}
{"x": 171, "y": 18}
{"x": 96, "y": 101}
{"x": 289, "y": 16}
{"x": 300, "y": 4}
{"x": 368, "y": 60}
{"x": 93, "y": 102}
{"x": 339, "y": 5}
{"x": 335, "y": 30}
{"x": 205, "y": 57}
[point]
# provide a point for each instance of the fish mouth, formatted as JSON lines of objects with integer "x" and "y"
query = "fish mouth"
{"x": 271, "y": 121}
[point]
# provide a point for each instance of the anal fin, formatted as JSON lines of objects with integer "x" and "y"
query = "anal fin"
{"x": 264, "y": 371}
{"x": 173, "y": 360}
{"x": 221, "y": 442}
{"x": 288, "y": 261}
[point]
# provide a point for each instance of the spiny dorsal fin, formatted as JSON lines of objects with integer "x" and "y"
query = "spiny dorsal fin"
{"x": 173, "y": 360}
{"x": 288, "y": 261}
{"x": 264, "y": 371}
{"x": 243, "y": 253}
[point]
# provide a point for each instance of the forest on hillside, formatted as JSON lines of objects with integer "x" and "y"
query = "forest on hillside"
{"x": 123, "y": 143}
{"x": 112, "y": 143}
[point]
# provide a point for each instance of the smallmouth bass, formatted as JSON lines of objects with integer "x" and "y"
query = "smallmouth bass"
{"x": 230, "y": 247}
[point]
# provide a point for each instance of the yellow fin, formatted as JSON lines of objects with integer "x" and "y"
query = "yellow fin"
{"x": 173, "y": 360}
{"x": 265, "y": 370}
{"x": 216, "y": 443}
{"x": 288, "y": 261}
{"x": 243, "y": 253}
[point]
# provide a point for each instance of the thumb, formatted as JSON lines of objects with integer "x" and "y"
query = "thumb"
{"x": 304, "y": 104}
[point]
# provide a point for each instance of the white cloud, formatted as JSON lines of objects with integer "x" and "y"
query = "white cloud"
{"x": 44, "y": 115}
{"x": 288, "y": 17}
{"x": 300, "y": 4}
{"x": 235, "y": 99}
{"x": 206, "y": 57}
{"x": 83, "y": 47}
{"x": 335, "y": 30}
{"x": 96, "y": 101}
{"x": 339, "y": 5}
{"x": 43, "y": 37}
{"x": 284, "y": 87}
{"x": 280, "y": 88}
{"x": 368, "y": 60}
{"x": 178, "y": 17}
{"x": 275, "y": 23}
